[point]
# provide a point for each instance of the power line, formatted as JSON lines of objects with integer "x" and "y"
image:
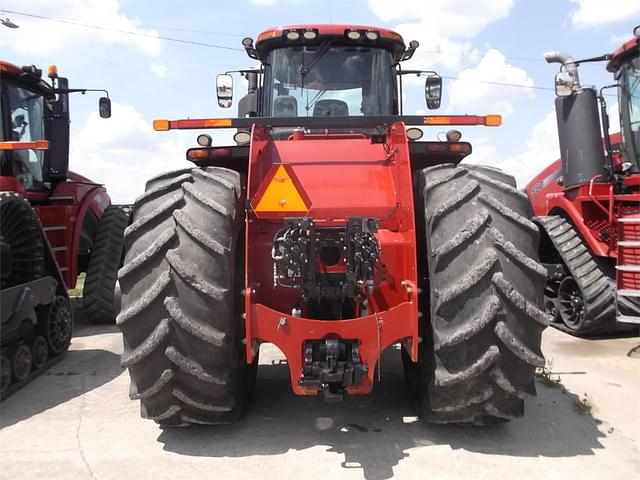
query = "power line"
{"x": 127, "y": 32}
{"x": 501, "y": 84}
{"x": 224, "y": 47}
{"x": 521, "y": 59}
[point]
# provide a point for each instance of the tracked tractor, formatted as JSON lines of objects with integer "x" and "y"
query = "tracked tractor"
{"x": 333, "y": 232}
{"x": 54, "y": 224}
{"x": 587, "y": 204}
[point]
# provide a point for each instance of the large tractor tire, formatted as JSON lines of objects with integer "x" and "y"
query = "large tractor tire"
{"x": 181, "y": 313}
{"x": 102, "y": 273}
{"x": 483, "y": 314}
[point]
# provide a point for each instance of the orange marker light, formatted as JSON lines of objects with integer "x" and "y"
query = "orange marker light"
{"x": 32, "y": 145}
{"x": 161, "y": 125}
{"x": 218, "y": 122}
{"x": 283, "y": 193}
{"x": 437, "y": 120}
{"x": 268, "y": 34}
{"x": 52, "y": 71}
{"x": 493, "y": 120}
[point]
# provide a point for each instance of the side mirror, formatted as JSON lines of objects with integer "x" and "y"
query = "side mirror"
{"x": 433, "y": 91}
{"x": 104, "y": 107}
{"x": 224, "y": 90}
{"x": 564, "y": 84}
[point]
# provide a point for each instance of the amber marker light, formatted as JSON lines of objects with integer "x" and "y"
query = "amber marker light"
{"x": 161, "y": 125}
{"x": 493, "y": 120}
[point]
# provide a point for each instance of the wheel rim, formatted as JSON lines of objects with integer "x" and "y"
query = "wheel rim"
{"x": 39, "y": 352}
{"x": 22, "y": 363}
{"x": 5, "y": 374}
{"x": 570, "y": 303}
{"x": 551, "y": 309}
{"x": 59, "y": 325}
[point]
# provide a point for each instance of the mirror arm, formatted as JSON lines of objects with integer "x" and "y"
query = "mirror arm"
{"x": 80, "y": 90}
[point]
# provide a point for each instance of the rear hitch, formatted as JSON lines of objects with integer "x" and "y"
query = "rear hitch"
{"x": 332, "y": 365}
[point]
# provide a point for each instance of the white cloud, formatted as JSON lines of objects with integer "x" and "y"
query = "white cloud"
{"x": 46, "y": 37}
{"x": 124, "y": 151}
{"x": 541, "y": 150}
{"x": 443, "y": 31}
{"x": 468, "y": 92}
{"x": 619, "y": 38}
{"x": 159, "y": 69}
{"x": 614, "y": 117}
{"x": 592, "y": 13}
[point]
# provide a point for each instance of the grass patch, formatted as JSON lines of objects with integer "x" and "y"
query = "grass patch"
{"x": 547, "y": 376}
{"x": 583, "y": 406}
{"x": 77, "y": 292}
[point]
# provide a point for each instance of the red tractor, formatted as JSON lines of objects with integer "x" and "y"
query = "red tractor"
{"x": 588, "y": 203}
{"x": 330, "y": 231}
{"x": 54, "y": 225}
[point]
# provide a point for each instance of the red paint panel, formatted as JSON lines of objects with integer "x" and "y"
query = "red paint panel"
{"x": 342, "y": 177}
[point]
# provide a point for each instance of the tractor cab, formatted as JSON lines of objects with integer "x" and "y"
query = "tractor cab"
{"x": 26, "y": 98}
{"x": 625, "y": 64}
{"x": 34, "y": 127}
{"x": 326, "y": 71}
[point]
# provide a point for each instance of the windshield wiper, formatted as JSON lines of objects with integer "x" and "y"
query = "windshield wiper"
{"x": 321, "y": 52}
{"x": 313, "y": 101}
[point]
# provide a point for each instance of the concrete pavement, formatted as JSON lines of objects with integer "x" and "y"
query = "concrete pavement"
{"x": 76, "y": 421}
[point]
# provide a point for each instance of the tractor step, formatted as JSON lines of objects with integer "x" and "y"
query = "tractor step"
{"x": 629, "y": 319}
{"x": 629, "y": 293}
{"x": 628, "y": 270}
{"x": 629, "y": 243}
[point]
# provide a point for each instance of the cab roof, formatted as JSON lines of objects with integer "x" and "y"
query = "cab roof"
{"x": 628, "y": 50}
{"x": 275, "y": 37}
{"x": 26, "y": 76}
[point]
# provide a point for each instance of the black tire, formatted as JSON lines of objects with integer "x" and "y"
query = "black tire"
{"x": 21, "y": 239}
{"x": 39, "y": 352}
{"x": 21, "y": 362}
{"x": 58, "y": 325}
{"x": 181, "y": 314}
{"x": 104, "y": 262}
{"x": 5, "y": 373}
{"x": 483, "y": 315}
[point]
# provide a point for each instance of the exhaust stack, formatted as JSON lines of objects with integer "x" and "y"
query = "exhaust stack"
{"x": 578, "y": 120}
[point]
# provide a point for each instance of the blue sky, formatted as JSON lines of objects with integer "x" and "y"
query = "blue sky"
{"x": 148, "y": 77}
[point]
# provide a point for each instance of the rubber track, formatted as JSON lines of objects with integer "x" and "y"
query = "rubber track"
{"x": 182, "y": 345}
{"x": 486, "y": 287}
{"x": 53, "y": 358}
{"x": 598, "y": 290}
{"x": 102, "y": 273}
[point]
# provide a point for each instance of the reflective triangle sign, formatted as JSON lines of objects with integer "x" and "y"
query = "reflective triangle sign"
{"x": 281, "y": 192}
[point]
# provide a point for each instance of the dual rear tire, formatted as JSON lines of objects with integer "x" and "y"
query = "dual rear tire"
{"x": 181, "y": 313}
{"x": 482, "y": 324}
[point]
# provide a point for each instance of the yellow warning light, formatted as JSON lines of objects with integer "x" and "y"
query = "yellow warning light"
{"x": 52, "y": 72}
{"x": 282, "y": 193}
